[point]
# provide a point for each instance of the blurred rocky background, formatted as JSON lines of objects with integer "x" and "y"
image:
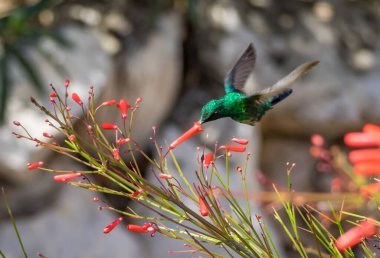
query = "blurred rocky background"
{"x": 174, "y": 54}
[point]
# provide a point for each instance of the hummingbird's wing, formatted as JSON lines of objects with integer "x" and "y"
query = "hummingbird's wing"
{"x": 285, "y": 83}
{"x": 237, "y": 76}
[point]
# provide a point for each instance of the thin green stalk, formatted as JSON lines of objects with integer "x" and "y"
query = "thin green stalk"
{"x": 271, "y": 240}
{"x": 247, "y": 202}
{"x": 13, "y": 222}
{"x": 182, "y": 175}
{"x": 295, "y": 243}
{"x": 227, "y": 171}
{"x": 257, "y": 248}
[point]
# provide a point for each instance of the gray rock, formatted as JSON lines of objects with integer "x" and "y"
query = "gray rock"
{"x": 277, "y": 152}
{"x": 82, "y": 65}
{"x": 151, "y": 70}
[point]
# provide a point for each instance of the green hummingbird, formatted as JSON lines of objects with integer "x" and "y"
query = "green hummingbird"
{"x": 249, "y": 109}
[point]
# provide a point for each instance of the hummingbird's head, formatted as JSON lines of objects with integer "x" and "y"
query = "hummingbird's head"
{"x": 211, "y": 111}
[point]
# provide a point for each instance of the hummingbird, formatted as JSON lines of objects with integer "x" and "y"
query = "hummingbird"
{"x": 244, "y": 108}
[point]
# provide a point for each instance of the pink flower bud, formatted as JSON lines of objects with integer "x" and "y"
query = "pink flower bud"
{"x": 165, "y": 176}
{"x": 77, "y": 99}
{"x": 138, "y": 100}
{"x": 66, "y": 177}
{"x": 95, "y": 199}
{"x": 72, "y": 138}
{"x": 202, "y": 207}
{"x": 116, "y": 154}
{"x": 16, "y": 123}
{"x": 122, "y": 141}
{"x": 47, "y": 135}
{"x": 32, "y": 166}
{"x": 240, "y": 141}
{"x": 317, "y": 140}
{"x": 109, "y": 126}
{"x": 136, "y": 193}
{"x": 108, "y": 103}
{"x": 53, "y": 95}
{"x": 67, "y": 83}
{"x": 233, "y": 148}
{"x": 111, "y": 226}
{"x": 209, "y": 159}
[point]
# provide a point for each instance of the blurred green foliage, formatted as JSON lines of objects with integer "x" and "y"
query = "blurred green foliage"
{"x": 20, "y": 29}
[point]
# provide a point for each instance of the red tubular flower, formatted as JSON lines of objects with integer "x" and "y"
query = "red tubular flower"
{"x": 165, "y": 176}
{"x": 122, "y": 141}
{"x": 116, "y": 154}
{"x": 32, "y": 166}
{"x": 66, "y": 177}
{"x": 72, "y": 138}
{"x": 371, "y": 128}
{"x": 233, "y": 148}
{"x": 240, "y": 141}
{"x": 111, "y": 226}
{"x": 53, "y": 95}
{"x": 364, "y": 155}
{"x": 108, "y": 103}
{"x": 109, "y": 126}
{"x": 370, "y": 190}
{"x": 136, "y": 193}
{"x": 47, "y": 135}
{"x": 209, "y": 159}
{"x": 124, "y": 106}
{"x": 138, "y": 228}
{"x": 76, "y": 98}
{"x": 202, "y": 207}
{"x": 362, "y": 139}
{"x": 197, "y": 128}
{"x": 147, "y": 228}
{"x": 355, "y": 235}
{"x": 368, "y": 168}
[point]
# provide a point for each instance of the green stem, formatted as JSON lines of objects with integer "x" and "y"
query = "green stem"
{"x": 13, "y": 223}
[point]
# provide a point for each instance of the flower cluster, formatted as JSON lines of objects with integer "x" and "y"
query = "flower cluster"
{"x": 365, "y": 160}
{"x": 204, "y": 212}
{"x": 115, "y": 159}
{"x": 360, "y": 176}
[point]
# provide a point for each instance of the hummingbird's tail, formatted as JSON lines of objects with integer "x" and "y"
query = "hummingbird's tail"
{"x": 281, "y": 89}
{"x": 280, "y": 96}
